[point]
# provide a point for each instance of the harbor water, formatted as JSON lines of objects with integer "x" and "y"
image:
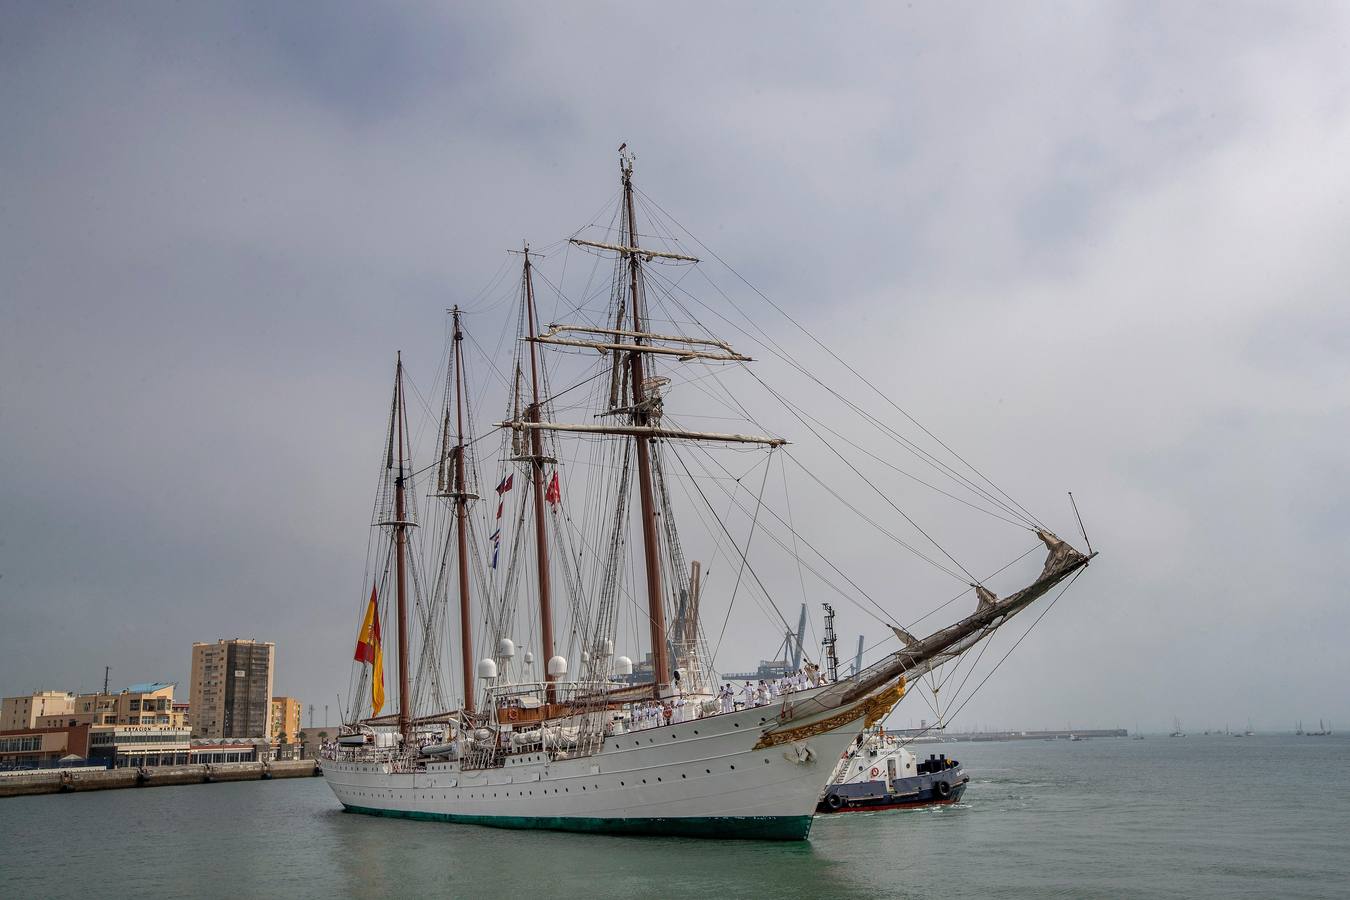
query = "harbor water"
{"x": 1263, "y": 816}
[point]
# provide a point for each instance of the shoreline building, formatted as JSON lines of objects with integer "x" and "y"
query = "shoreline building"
{"x": 146, "y": 703}
{"x": 132, "y": 746}
{"x": 31, "y": 748}
{"x": 286, "y": 719}
{"x": 232, "y": 689}
{"x": 23, "y": 712}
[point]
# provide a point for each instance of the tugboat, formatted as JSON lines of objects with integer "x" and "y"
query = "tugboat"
{"x": 878, "y": 772}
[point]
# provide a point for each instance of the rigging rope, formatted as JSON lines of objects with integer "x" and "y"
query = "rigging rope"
{"x": 754, "y": 521}
{"x": 816, "y": 340}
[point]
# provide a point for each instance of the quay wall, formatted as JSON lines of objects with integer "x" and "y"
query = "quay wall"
{"x": 59, "y": 782}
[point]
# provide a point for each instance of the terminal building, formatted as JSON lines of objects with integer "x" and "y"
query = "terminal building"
{"x": 32, "y": 748}
{"x": 120, "y": 746}
{"x": 136, "y": 726}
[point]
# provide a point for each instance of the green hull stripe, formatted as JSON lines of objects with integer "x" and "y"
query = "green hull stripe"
{"x": 764, "y": 828}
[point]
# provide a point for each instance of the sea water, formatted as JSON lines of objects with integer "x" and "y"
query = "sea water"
{"x": 1264, "y": 816}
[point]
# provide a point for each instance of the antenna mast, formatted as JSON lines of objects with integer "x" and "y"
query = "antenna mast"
{"x": 641, "y": 417}
{"x": 831, "y": 658}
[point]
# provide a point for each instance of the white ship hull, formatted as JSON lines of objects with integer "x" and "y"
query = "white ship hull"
{"x": 702, "y": 777}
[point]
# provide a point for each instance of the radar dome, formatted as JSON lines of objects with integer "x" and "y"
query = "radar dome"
{"x": 487, "y": 668}
{"x": 623, "y": 666}
{"x": 506, "y": 648}
{"x": 557, "y": 666}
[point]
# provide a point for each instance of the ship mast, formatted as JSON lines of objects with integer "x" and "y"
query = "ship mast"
{"x": 629, "y": 348}
{"x": 401, "y": 566}
{"x": 656, "y": 610}
{"x": 536, "y": 457}
{"x": 462, "y": 521}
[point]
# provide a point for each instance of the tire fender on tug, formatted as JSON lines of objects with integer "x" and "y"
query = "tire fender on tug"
{"x": 834, "y": 802}
{"x": 943, "y": 789}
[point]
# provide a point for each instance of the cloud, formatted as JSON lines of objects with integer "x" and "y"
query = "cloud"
{"x": 1095, "y": 249}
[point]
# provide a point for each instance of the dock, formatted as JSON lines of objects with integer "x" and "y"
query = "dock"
{"x": 59, "y": 781}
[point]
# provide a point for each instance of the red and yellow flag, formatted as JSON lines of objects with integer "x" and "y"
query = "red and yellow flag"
{"x": 368, "y": 650}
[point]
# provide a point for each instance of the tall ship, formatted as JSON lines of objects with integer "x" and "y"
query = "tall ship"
{"x": 550, "y": 646}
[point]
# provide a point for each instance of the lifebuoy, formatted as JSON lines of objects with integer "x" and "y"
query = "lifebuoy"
{"x": 944, "y": 790}
{"x": 875, "y": 772}
{"x": 512, "y": 714}
{"x": 834, "y": 802}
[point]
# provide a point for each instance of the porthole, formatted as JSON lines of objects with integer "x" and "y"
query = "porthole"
{"x": 709, "y": 771}
{"x": 682, "y": 775}
{"x": 733, "y": 767}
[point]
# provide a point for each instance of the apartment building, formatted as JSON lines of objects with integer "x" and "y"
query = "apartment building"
{"x": 25, "y": 711}
{"x": 232, "y": 689}
{"x": 286, "y": 719}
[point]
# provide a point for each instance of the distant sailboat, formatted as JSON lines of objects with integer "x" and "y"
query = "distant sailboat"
{"x": 1176, "y": 729}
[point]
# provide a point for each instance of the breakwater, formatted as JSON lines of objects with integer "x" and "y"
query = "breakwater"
{"x": 933, "y": 736}
{"x": 57, "y": 781}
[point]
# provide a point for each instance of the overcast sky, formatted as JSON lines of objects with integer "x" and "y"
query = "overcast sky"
{"x": 1100, "y": 248}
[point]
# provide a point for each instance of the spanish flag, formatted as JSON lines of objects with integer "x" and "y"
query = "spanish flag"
{"x": 368, "y": 650}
